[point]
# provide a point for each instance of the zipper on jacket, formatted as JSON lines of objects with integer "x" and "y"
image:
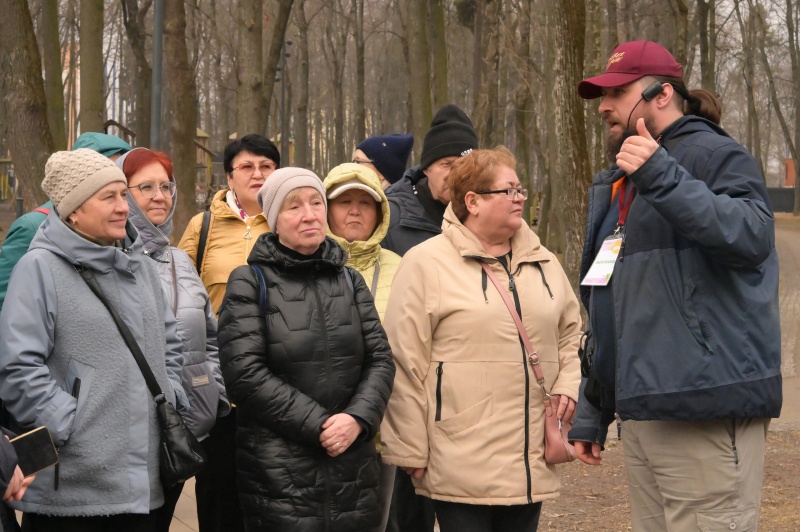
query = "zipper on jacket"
{"x": 439, "y": 372}
{"x": 526, "y": 458}
{"x": 328, "y": 364}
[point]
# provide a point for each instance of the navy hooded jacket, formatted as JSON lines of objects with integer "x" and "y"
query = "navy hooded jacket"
{"x": 695, "y": 294}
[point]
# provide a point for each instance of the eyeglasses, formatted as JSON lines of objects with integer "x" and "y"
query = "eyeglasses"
{"x": 511, "y": 193}
{"x": 249, "y": 168}
{"x": 361, "y": 161}
{"x": 149, "y": 190}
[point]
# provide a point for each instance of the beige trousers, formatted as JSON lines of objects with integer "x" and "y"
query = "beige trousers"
{"x": 695, "y": 476}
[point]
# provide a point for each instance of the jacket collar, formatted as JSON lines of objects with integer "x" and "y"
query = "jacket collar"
{"x": 56, "y": 237}
{"x": 220, "y": 209}
{"x": 525, "y": 245}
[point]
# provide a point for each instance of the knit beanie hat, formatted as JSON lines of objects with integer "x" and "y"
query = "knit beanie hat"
{"x": 278, "y": 185}
{"x": 72, "y": 177}
{"x": 389, "y": 154}
{"x": 451, "y": 133}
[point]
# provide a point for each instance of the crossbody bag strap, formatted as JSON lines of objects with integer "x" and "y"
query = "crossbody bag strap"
{"x": 533, "y": 357}
{"x": 149, "y": 378}
{"x": 201, "y": 244}
{"x": 262, "y": 289}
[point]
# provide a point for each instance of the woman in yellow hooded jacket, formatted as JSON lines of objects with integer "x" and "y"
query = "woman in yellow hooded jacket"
{"x": 358, "y": 218}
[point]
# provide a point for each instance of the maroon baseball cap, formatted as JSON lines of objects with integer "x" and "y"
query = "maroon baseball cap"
{"x": 631, "y": 61}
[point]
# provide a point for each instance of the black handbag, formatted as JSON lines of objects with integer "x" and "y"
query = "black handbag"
{"x": 182, "y": 456}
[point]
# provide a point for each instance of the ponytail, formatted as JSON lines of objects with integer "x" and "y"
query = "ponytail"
{"x": 698, "y": 102}
{"x": 704, "y": 104}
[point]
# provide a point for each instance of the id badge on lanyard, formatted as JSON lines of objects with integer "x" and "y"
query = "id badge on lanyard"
{"x": 602, "y": 268}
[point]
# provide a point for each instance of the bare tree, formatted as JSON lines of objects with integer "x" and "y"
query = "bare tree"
{"x": 301, "y": 130}
{"x": 275, "y": 48}
{"x": 133, "y": 17}
{"x": 794, "y": 54}
{"x": 28, "y": 137}
{"x": 182, "y": 99}
{"x": 250, "y": 105}
{"x": 53, "y": 86}
{"x": 419, "y": 77}
{"x": 571, "y": 161}
{"x": 706, "y": 19}
{"x": 439, "y": 51}
{"x": 361, "y": 105}
{"x": 753, "y": 142}
{"x": 91, "y": 55}
{"x": 762, "y": 40}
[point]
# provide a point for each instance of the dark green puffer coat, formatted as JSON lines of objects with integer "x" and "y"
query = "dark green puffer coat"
{"x": 319, "y": 350}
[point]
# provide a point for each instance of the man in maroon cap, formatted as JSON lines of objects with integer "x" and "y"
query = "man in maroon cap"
{"x": 680, "y": 279}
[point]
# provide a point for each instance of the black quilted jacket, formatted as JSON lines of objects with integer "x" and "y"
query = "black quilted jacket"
{"x": 319, "y": 350}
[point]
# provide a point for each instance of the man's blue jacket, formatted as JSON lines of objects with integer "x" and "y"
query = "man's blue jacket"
{"x": 696, "y": 316}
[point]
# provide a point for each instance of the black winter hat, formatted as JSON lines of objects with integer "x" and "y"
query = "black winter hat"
{"x": 389, "y": 154}
{"x": 451, "y": 133}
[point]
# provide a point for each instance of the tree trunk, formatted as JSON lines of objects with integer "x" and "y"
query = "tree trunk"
{"x": 274, "y": 55}
{"x": 477, "y": 58}
{"x": 748, "y": 75}
{"x": 572, "y": 158}
{"x": 707, "y": 67}
{"x": 133, "y": 18}
{"x": 28, "y": 134}
{"x": 439, "y": 50}
{"x": 72, "y": 72}
{"x": 485, "y": 114}
{"x": 787, "y": 135}
{"x": 611, "y": 32}
{"x": 301, "y": 144}
{"x": 361, "y": 103}
{"x": 250, "y": 104}
{"x": 419, "y": 78}
{"x": 92, "y": 113}
{"x": 182, "y": 98}
{"x": 53, "y": 87}
{"x": 794, "y": 54}
{"x": 337, "y": 30}
{"x": 522, "y": 100}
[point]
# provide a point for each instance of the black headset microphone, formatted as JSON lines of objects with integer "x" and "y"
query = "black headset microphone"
{"x": 653, "y": 90}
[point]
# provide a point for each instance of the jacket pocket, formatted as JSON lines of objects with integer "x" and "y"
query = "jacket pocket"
{"x": 693, "y": 320}
{"x": 203, "y": 394}
{"x": 79, "y": 380}
{"x": 738, "y": 519}
{"x": 466, "y": 418}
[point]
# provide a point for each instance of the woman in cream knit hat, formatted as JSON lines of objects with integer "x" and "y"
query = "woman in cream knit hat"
{"x": 64, "y": 364}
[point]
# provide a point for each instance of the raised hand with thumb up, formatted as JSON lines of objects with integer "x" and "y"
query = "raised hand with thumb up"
{"x": 636, "y": 149}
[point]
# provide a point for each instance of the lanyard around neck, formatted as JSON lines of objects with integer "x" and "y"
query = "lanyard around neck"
{"x": 625, "y": 199}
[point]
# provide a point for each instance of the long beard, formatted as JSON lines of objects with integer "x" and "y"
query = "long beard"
{"x": 614, "y": 144}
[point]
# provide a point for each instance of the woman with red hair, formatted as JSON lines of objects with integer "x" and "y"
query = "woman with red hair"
{"x": 152, "y": 204}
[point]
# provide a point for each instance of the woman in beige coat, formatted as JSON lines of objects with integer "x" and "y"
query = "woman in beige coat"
{"x": 466, "y": 418}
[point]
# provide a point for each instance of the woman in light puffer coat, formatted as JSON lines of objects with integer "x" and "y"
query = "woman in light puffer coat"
{"x": 152, "y": 205}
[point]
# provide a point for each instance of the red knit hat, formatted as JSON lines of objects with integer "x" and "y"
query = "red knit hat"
{"x": 629, "y": 62}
